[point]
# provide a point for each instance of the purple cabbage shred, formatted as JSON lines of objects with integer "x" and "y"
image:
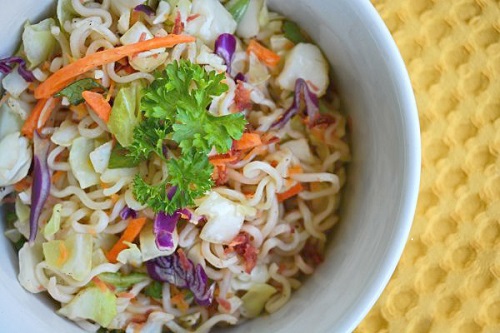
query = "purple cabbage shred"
{"x": 177, "y": 269}
{"x": 41, "y": 182}
{"x": 225, "y": 46}
{"x": 305, "y": 102}
{"x": 127, "y": 213}
{"x": 164, "y": 227}
{"x": 7, "y": 66}
{"x": 145, "y": 9}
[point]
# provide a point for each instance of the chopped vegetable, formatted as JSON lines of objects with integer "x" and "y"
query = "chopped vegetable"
{"x": 7, "y": 65}
{"x": 225, "y": 218}
{"x": 125, "y": 115}
{"x": 38, "y": 41}
{"x": 304, "y": 102}
{"x": 255, "y": 299}
{"x": 43, "y": 107}
{"x": 131, "y": 232}
{"x": 163, "y": 228}
{"x": 15, "y": 159}
{"x": 249, "y": 25}
{"x": 127, "y": 213}
{"x": 92, "y": 303}
{"x": 180, "y": 271}
{"x": 145, "y": 9}
{"x": 225, "y": 46}
{"x": 237, "y": 8}
{"x": 41, "y": 183}
{"x": 148, "y": 137}
{"x": 98, "y": 103}
{"x": 292, "y": 191}
{"x": 72, "y": 256}
{"x": 67, "y": 74}
{"x": 100, "y": 156}
{"x": 54, "y": 222}
{"x": 80, "y": 163}
{"x": 149, "y": 248}
{"x": 73, "y": 92}
{"x": 154, "y": 290}
{"x": 293, "y": 32}
{"x": 241, "y": 245}
{"x": 119, "y": 280}
{"x": 265, "y": 55}
{"x": 120, "y": 158}
{"x": 29, "y": 257}
{"x": 248, "y": 141}
{"x": 130, "y": 256}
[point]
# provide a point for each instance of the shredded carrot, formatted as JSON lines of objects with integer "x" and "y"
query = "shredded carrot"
{"x": 248, "y": 141}
{"x": 30, "y": 125}
{"x": 47, "y": 111}
{"x": 56, "y": 176}
{"x": 179, "y": 301}
{"x": 100, "y": 284}
{"x": 22, "y": 185}
{"x": 222, "y": 159}
{"x": 98, "y": 103}
{"x": 114, "y": 198}
{"x": 265, "y": 55}
{"x": 125, "y": 295}
{"x": 292, "y": 191}
{"x": 295, "y": 170}
{"x": 67, "y": 74}
{"x": 63, "y": 254}
{"x": 131, "y": 232}
{"x": 111, "y": 90}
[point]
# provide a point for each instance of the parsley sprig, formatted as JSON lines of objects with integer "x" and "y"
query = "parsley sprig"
{"x": 175, "y": 108}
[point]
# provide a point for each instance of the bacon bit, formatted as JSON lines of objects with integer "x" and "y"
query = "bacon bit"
{"x": 63, "y": 257}
{"x": 139, "y": 319}
{"x": 291, "y": 192}
{"x": 193, "y": 17}
{"x": 178, "y": 24}
{"x": 242, "y": 97}
{"x": 270, "y": 139}
{"x": 222, "y": 159}
{"x": 224, "y": 304}
{"x": 57, "y": 176}
{"x": 274, "y": 164}
{"x": 23, "y": 184}
{"x": 98, "y": 282}
{"x": 311, "y": 254}
{"x": 241, "y": 245}
{"x": 219, "y": 175}
{"x": 183, "y": 259}
{"x": 324, "y": 120}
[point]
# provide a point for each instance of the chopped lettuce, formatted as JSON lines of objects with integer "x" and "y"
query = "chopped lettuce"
{"x": 92, "y": 303}
{"x": 38, "y": 41}
{"x": 237, "y": 8}
{"x": 65, "y": 12}
{"x": 100, "y": 156}
{"x": 225, "y": 218}
{"x": 15, "y": 158}
{"x": 132, "y": 255}
{"x": 10, "y": 122}
{"x": 155, "y": 290}
{"x": 54, "y": 222}
{"x": 80, "y": 162}
{"x": 249, "y": 23}
{"x": 73, "y": 256}
{"x": 29, "y": 257}
{"x": 15, "y": 84}
{"x": 123, "y": 281}
{"x": 255, "y": 299}
{"x": 65, "y": 134}
{"x": 125, "y": 114}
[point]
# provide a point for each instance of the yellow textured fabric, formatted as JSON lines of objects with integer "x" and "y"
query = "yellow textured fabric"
{"x": 448, "y": 279}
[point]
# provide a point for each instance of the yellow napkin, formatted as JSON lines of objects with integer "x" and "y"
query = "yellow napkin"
{"x": 448, "y": 279}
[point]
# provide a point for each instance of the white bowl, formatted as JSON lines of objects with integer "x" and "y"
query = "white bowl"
{"x": 381, "y": 191}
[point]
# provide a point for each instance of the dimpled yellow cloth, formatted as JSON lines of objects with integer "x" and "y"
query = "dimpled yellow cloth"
{"x": 448, "y": 279}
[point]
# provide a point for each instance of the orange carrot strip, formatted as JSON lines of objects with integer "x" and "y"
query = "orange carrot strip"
{"x": 22, "y": 185}
{"x": 247, "y": 141}
{"x": 295, "y": 170}
{"x": 63, "y": 254}
{"x": 30, "y": 125}
{"x": 131, "y": 232}
{"x": 67, "y": 74}
{"x": 56, "y": 176}
{"x": 98, "y": 103}
{"x": 222, "y": 159}
{"x": 265, "y": 55}
{"x": 292, "y": 191}
{"x": 99, "y": 283}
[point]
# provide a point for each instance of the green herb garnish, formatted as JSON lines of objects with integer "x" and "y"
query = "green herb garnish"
{"x": 154, "y": 290}
{"x": 175, "y": 110}
{"x": 73, "y": 92}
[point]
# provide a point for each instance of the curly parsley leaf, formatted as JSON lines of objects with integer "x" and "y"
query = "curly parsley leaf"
{"x": 149, "y": 136}
{"x": 74, "y": 91}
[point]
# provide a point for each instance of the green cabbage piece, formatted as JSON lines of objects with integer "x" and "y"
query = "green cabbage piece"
{"x": 125, "y": 114}
{"x": 65, "y": 12}
{"x": 78, "y": 262}
{"x": 80, "y": 163}
{"x": 122, "y": 281}
{"x": 92, "y": 303}
{"x": 38, "y": 41}
{"x": 54, "y": 223}
{"x": 255, "y": 299}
